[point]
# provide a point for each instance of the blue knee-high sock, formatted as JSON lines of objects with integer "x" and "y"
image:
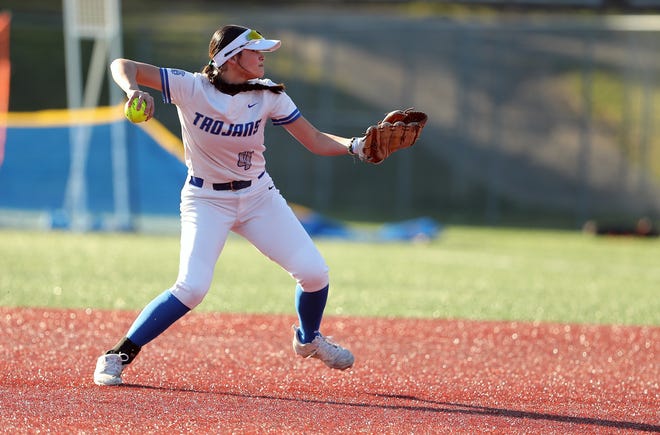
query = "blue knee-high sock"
{"x": 310, "y": 308}
{"x": 156, "y": 317}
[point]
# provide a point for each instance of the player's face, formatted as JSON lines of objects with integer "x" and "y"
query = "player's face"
{"x": 252, "y": 63}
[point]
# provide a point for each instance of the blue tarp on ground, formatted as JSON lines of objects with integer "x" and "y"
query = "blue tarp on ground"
{"x": 417, "y": 229}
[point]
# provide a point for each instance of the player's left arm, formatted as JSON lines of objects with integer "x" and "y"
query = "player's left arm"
{"x": 318, "y": 142}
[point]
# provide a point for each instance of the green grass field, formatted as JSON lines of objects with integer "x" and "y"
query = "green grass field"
{"x": 472, "y": 273}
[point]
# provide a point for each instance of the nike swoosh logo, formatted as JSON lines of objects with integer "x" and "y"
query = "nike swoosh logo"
{"x": 250, "y": 106}
{"x": 271, "y": 188}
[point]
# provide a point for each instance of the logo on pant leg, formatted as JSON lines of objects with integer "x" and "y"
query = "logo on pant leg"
{"x": 245, "y": 159}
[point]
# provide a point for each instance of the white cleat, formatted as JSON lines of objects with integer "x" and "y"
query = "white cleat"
{"x": 333, "y": 355}
{"x": 109, "y": 368}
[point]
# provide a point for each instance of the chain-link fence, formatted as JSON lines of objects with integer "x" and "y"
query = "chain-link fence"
{"x": 528, "y": 118}
{"x": 533, "y": 118}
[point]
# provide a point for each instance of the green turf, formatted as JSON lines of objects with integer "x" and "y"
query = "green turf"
{"x": 466, "y": 273}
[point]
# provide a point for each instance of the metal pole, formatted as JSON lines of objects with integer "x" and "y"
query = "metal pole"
{"x": 583, "y": 198}
{"x": 75, "y": 202}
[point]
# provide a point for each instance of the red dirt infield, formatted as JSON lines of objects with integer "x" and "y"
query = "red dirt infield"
{"x": 233, "y": 373}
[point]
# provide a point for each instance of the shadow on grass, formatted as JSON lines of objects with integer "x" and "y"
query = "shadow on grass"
{"x": 433, "y": 407}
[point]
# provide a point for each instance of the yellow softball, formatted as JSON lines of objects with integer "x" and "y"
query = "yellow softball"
{"x": 134, "y": 114}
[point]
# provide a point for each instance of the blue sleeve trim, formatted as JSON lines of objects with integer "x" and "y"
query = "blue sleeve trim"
{"x": 165, "y": 85}
{"x": 287, "y": 119}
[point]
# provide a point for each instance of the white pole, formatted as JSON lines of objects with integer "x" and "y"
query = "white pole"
{"x": 99, "y": 20}
{"x": 120, "y": 171}
{"x": 75, "y": 202}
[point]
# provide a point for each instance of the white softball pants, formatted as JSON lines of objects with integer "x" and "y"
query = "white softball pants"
{"x": 261, "y": 215}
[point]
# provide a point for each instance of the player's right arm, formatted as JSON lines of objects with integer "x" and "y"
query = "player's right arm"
{"x": 129, "y": 75}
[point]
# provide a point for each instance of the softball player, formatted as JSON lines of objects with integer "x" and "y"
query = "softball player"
{"x": 223, "y": 111}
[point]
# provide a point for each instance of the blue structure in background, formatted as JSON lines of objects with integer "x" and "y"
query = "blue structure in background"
{"x": 34, "y": 174}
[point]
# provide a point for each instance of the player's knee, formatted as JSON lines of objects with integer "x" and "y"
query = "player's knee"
{"x": 313, "y": 277}
{"x": 189, "y": 294}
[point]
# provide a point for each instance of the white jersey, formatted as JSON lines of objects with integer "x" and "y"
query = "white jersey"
{"x": 223, "y": 135}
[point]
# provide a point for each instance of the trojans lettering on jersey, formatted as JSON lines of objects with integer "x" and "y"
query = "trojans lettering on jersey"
{"x": 218, "y": 127}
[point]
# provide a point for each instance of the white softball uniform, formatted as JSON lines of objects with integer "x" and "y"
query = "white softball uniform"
{"x": 223, "y": 137}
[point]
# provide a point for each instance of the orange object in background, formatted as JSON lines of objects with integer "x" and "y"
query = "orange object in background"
{"x": 5, "y": 69}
